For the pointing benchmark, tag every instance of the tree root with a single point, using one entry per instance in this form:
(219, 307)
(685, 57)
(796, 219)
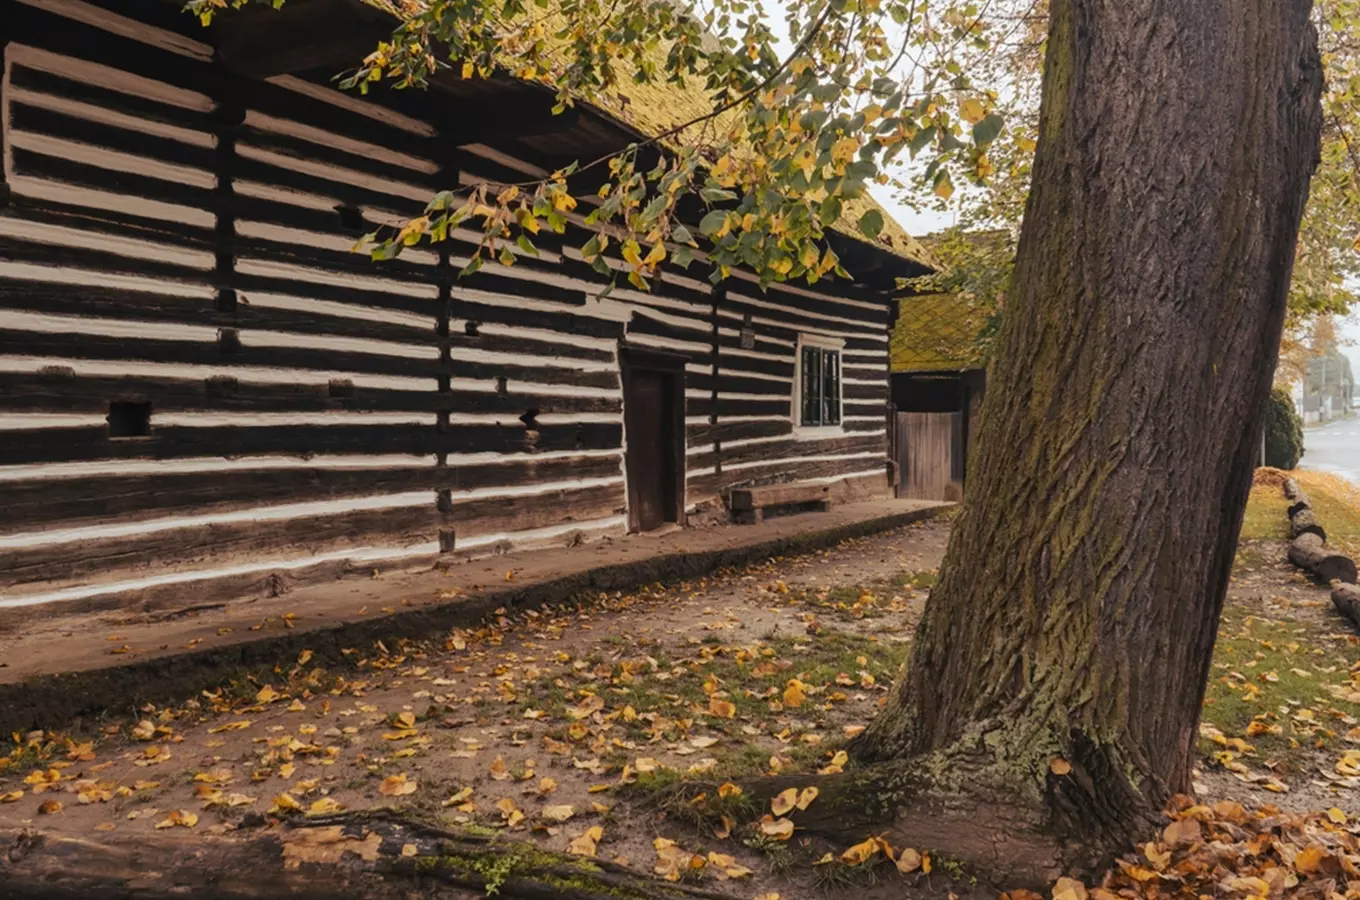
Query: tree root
(374, 855)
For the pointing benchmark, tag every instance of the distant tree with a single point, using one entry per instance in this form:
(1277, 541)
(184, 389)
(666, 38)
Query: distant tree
(1284, 431)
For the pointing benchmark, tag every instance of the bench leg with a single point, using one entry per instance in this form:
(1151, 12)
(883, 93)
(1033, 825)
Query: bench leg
(822, 506)
(749, 516)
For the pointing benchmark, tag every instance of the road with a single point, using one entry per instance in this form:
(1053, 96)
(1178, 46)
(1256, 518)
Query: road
(1335, 448)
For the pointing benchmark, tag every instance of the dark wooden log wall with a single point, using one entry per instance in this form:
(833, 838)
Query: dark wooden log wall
(177, 236)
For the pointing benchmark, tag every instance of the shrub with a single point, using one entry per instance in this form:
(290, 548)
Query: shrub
(1284, 431)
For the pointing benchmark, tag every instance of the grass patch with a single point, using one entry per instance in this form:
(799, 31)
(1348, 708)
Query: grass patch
(1336, 501)
(1278, 692)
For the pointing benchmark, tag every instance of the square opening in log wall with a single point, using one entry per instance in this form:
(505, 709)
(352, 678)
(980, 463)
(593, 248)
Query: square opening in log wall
(129, 419)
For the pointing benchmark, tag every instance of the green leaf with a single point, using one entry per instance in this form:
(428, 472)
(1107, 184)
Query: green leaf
(716, 195)
(988, 129)
(680, 234)
(682, 257)
(713, 222)
(526, 245)
(921, 139)
(830, 212)
(871, 224)
(474, 265)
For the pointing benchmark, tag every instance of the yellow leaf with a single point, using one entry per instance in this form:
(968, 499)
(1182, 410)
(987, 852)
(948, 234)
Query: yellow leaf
(944, 187)
(285, 803)
(460, 797)
(1334, 814)
(723, 708)
(806, 796)
(1311, 859)
(11, 797)
(324, 806)
(585, 844)
(396, 786)
(144, 730)
(1069, 889)
(179, 817)
(784, 802)
(266, 694)
(728, 789)
(498, 770)
(860, 852)
(794, 695)
(908, 861)
(972, 111)
(1059, 766)
(558, 813)
(304, 657)
(781, 829)
(657, 254)
(409, 850)
(1186, 831)
(50, 807)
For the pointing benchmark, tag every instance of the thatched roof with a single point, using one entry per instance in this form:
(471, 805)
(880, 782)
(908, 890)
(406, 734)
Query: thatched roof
(937, 333)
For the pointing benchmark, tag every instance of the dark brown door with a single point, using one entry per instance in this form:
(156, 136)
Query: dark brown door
(649, 413)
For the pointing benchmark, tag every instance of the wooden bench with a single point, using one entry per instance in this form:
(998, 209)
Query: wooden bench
(749, 504)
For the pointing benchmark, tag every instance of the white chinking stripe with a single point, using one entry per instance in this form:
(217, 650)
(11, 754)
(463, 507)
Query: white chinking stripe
(509, 301)
(734, 332)
(108, 116)
(274, 194)
(18, 271)
(107, 77)
(29, 421)
(112, 160)
(786, 287)
(341, 310)
(310, 509)
(254, 338)
(85, 592)
(728, 420)
(124, 27)
(664, 343)
(510, 162)
(133, 467)
(793, 461)
(828, 331)
(279, 513)
(249, 374)
(79, 195)
(325, 138)
(335, 173)
(336, 243)
(802, 313)
(695, 394)
(550, 337)
(119, 245)
(510, 419)
(269, 269)
(353, 104)
(323, 419)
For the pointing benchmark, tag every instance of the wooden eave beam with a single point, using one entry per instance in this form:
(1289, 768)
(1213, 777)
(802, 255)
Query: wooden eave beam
(304, 34)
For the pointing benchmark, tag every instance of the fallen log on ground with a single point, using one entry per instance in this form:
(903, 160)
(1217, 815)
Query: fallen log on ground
(1302, 520)
(1311, 553)
(1346, 599)
(352, 856)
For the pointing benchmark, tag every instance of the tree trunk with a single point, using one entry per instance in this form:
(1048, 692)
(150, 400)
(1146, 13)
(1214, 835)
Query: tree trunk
(1054, 689)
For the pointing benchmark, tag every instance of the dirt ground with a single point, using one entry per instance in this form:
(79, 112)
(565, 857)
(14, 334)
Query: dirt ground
(565, 726)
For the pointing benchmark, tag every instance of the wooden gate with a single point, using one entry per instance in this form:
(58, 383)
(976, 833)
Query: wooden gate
(929, 448)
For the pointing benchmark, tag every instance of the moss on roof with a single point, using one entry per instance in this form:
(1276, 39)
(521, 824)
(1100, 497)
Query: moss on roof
(937, 333)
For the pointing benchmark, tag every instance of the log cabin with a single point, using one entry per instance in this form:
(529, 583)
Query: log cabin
(204, 394)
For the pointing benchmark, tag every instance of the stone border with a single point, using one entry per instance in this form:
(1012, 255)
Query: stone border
(70, 700)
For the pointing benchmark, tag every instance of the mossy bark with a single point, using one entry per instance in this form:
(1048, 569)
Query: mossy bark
(1077, 606)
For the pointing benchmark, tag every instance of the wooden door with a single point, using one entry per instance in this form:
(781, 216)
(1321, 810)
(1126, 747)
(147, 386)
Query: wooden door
(929, 455)
(650, 409)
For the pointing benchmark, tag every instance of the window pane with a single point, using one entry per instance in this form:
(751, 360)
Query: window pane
(812, 386)
(831, 390)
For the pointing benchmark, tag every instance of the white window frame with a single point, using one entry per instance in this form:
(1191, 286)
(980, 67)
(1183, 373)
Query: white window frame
(812, 432)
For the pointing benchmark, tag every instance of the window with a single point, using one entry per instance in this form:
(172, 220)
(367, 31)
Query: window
(819, 382)
(129, 419)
